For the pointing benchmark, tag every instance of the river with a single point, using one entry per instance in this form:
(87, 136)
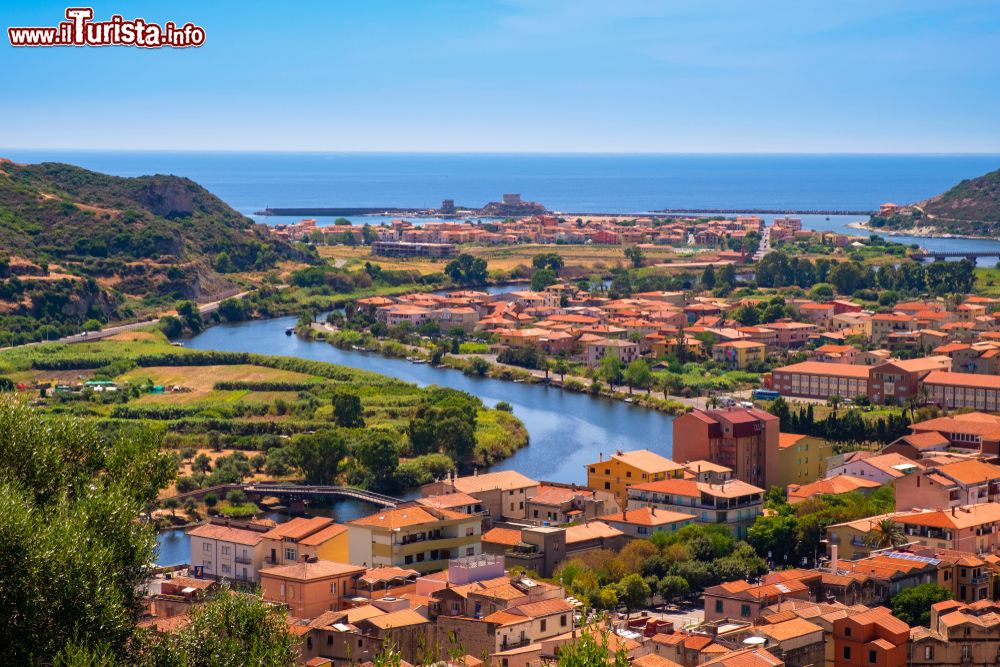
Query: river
(567, 429)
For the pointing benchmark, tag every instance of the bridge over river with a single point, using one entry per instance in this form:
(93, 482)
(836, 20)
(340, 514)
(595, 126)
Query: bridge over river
(941, 255)
(294, 492)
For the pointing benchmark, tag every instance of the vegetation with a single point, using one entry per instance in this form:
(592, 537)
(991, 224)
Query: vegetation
(82, 248)
(971, 208)
(913, 605)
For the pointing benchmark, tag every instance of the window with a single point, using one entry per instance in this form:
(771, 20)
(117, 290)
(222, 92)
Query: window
(281, 588)
(562, 620)
(206, 547)
(420, 557)
(225, 569)
(593, 469)
(333, 588)
(847, 653)
(225, 551)
(543, 625)
(928, 653)
(718, 606)
(290, 554)
(469, 531)
(744, 610)
(470, 551)
(847, 631)
(408, 559)
(607, 485)
(628, 473)
(873, 656)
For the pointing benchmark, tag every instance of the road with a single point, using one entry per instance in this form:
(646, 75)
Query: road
(204, 309)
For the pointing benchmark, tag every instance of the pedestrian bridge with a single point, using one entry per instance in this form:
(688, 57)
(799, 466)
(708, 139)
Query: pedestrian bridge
(941, 255)
(303, 490)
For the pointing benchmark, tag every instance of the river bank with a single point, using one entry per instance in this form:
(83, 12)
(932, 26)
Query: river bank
(927, 232)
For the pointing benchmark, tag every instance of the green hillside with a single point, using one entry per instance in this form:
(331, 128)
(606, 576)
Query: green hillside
(78, 245)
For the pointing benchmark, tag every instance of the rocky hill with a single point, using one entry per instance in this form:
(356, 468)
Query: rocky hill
(77, 245)
(971, 208)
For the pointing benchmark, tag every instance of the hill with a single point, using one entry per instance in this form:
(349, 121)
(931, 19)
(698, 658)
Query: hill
(78, 245)
(971, 208)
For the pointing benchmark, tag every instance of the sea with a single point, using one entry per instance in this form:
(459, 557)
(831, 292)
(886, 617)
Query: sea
(577, 183)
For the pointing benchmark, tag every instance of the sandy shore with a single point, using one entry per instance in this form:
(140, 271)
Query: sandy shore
(923, 232)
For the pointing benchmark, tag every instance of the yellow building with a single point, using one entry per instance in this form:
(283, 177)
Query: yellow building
(624, 469)
(414, 537)
(318, 537)
(738, 353)
(801, 459)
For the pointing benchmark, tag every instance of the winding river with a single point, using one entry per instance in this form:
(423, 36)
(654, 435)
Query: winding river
(567, 429)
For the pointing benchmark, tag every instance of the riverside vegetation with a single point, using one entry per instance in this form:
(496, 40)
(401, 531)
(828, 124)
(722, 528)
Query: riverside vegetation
(232, 416)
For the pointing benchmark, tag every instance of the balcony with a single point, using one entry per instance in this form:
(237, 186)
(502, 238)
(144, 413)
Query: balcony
(507, 646)
(245, 560)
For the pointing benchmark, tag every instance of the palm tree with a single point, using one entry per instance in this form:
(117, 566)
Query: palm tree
(885, 534)
(561, 367)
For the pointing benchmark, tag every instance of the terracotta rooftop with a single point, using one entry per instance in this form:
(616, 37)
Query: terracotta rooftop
(647, 516)
(312, 570)
(214, 531)
(504, 480)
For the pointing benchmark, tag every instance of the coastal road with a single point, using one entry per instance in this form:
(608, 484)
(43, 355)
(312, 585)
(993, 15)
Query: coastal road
(204, 309)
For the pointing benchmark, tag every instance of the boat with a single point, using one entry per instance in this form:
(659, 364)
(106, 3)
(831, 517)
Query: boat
(628, 400)
(289, 331)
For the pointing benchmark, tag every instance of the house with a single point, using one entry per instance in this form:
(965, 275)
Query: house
(744, 440)
(959, 634)
(874, 637)
(733, 503)
(963, 390)
(917, 445)
(831, 486)
(977, 431)
(502, 494)
(318, 537)
(624, 351)
(623, 469)
(801, 459)
(644, 521)
(883, 468)
(741, 600)
(952, 485)
(739, 353)
(413, 537)
(226, 552)
(310, 587)
(896, 381)
(558, 504)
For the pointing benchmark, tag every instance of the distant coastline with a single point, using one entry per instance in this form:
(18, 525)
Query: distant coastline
(927, 232)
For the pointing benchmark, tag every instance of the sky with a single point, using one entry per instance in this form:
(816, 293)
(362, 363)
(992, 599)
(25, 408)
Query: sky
(672, 76)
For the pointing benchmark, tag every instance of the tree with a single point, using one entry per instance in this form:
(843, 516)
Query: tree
(347, 410)
(318, 455)
(884, 534)
(561, 367)
(672, 587)
(610, 370)
(633, 591)
(201, 463)
(635, 255)
(638, 374)
(708, 277)
(211, 500)
(477, 366)
(727, 276)
(378, 454)
(913, 605)
(467, 270)
(172, 327)
(548, 260)
(73, 553)
(231, 630)
(592, 650)
(189, 313)
(542, 278)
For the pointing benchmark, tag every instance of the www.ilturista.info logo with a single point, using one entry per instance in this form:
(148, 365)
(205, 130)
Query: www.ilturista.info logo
(81, 30)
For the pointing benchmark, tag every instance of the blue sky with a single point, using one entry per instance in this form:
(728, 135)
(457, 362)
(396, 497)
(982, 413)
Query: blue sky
(685, 76)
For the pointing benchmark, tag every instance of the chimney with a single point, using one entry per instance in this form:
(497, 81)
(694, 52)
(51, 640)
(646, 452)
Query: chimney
(833, 558)
(953, 511)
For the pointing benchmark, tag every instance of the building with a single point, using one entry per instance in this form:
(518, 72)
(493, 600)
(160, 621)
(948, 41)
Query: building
(947, 486)
(310, 587)
(874, 637)
(883, 468)
(963, 390)
(739, 353)
(556, 505)
(411, 249)
(413, 537)
(624, 351)
(733, 503)
(226, 552)
(644, 521)
(818, 379)
(744, 440)
(801, 459)
(318, 537)
(959, 634)
(832, 486)
(976, 431)
(741, 600)
(623, 469)
(502, 494)
(896, 381)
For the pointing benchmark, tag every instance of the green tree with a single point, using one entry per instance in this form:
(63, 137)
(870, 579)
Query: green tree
(638, 374)
(231, 630)
(635, 255)
(708, 277)
(201, 463)
(72, 550)
(672, 587)
(592, 650)
(610, 370)
(633, 592)
(467, 270)
(884, 534)
(378, 455)
(542, 278)
(318, 455)
(189, 313)
(913, 605)
(347, 410)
